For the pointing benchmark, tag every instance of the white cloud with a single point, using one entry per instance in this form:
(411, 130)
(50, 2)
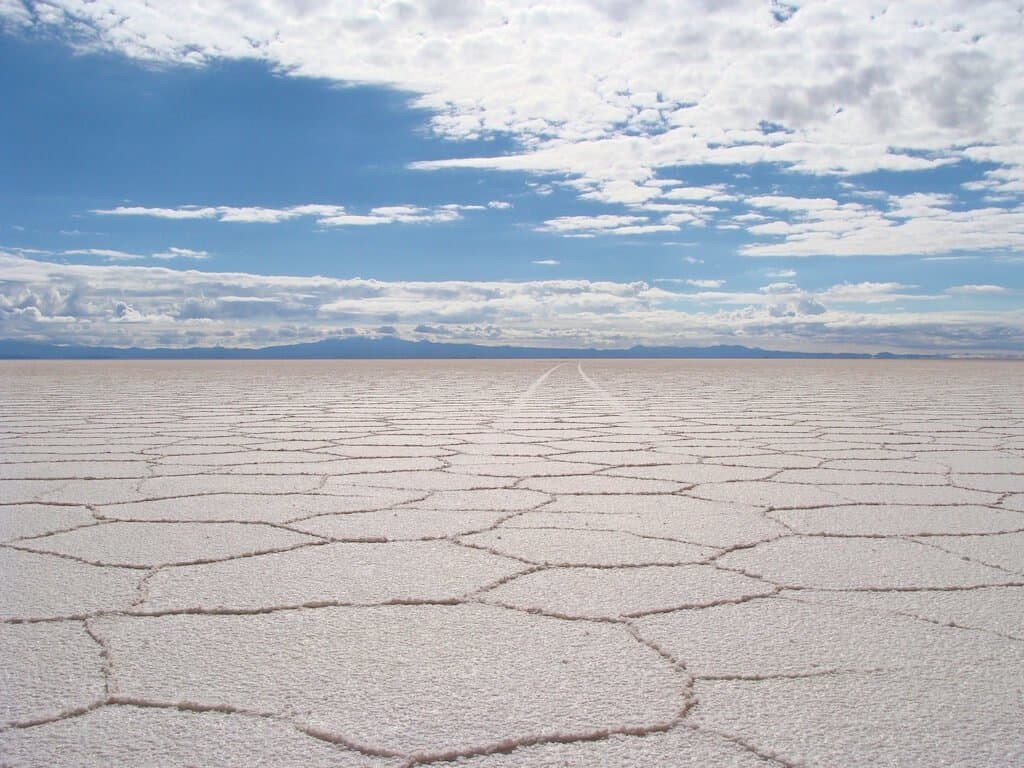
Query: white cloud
(641, 229)
(546, 262)
(394, 214)
(791, 298)
(13, 13)
(604, 224)
(714, 193)
(866, 288)
(915, 224)
(500, 205)
(976, 289)
(693, 283)
(13, 249)
(875, 293)
(156, 306)
(325, 215)
(181, 253)
(779, 288)
(920, 205)
(184, 212)
(613, 101)
(113, 255)
(104, 253)
(1008, 177)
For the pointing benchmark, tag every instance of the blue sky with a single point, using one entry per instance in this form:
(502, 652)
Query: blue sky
(818, 175)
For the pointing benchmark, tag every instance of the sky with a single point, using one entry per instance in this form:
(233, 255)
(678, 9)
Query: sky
(822, 175)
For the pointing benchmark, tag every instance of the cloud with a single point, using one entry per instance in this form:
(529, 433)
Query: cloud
(914, 224)
(14, 14)
(786, 225)
(121, 305)
(690, 281)
(105, 253)
(789, 299)
(114, 256)
(325, 215)
(432, 330)
(779, 288)
(604, 224)
(396, 214)
(181, 253)
(866, 288)
(1008, 177)
(546, 262)
(499, 205)
(713, 193)
(617, 103)
(13, 249)
(800, 307)
(125, 313)
(192, 212)
(976, 289)
(875, 293)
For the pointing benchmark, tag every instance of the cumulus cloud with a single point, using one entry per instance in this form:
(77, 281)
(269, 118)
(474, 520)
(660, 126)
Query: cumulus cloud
(120, 304)
(915, 224)
(714, 193)
(779, 288)
(14, 14)
(805, 305)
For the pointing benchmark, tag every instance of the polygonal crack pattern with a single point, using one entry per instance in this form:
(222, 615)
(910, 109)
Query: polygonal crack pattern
(512, 563)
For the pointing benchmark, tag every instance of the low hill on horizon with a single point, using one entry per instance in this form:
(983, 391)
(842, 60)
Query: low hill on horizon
(393, 347)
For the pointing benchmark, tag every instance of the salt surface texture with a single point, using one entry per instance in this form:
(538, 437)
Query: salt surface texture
(516, 563)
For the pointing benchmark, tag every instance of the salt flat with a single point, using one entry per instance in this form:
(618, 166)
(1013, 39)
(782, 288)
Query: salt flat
(521, 563)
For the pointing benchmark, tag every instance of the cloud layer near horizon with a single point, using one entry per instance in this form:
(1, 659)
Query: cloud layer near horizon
(157, 306)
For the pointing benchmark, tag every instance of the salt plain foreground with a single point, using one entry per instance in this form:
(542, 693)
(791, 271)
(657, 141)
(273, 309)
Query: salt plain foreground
(623, 563)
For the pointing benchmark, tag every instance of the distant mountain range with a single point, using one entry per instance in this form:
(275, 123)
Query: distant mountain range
(387, 347)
